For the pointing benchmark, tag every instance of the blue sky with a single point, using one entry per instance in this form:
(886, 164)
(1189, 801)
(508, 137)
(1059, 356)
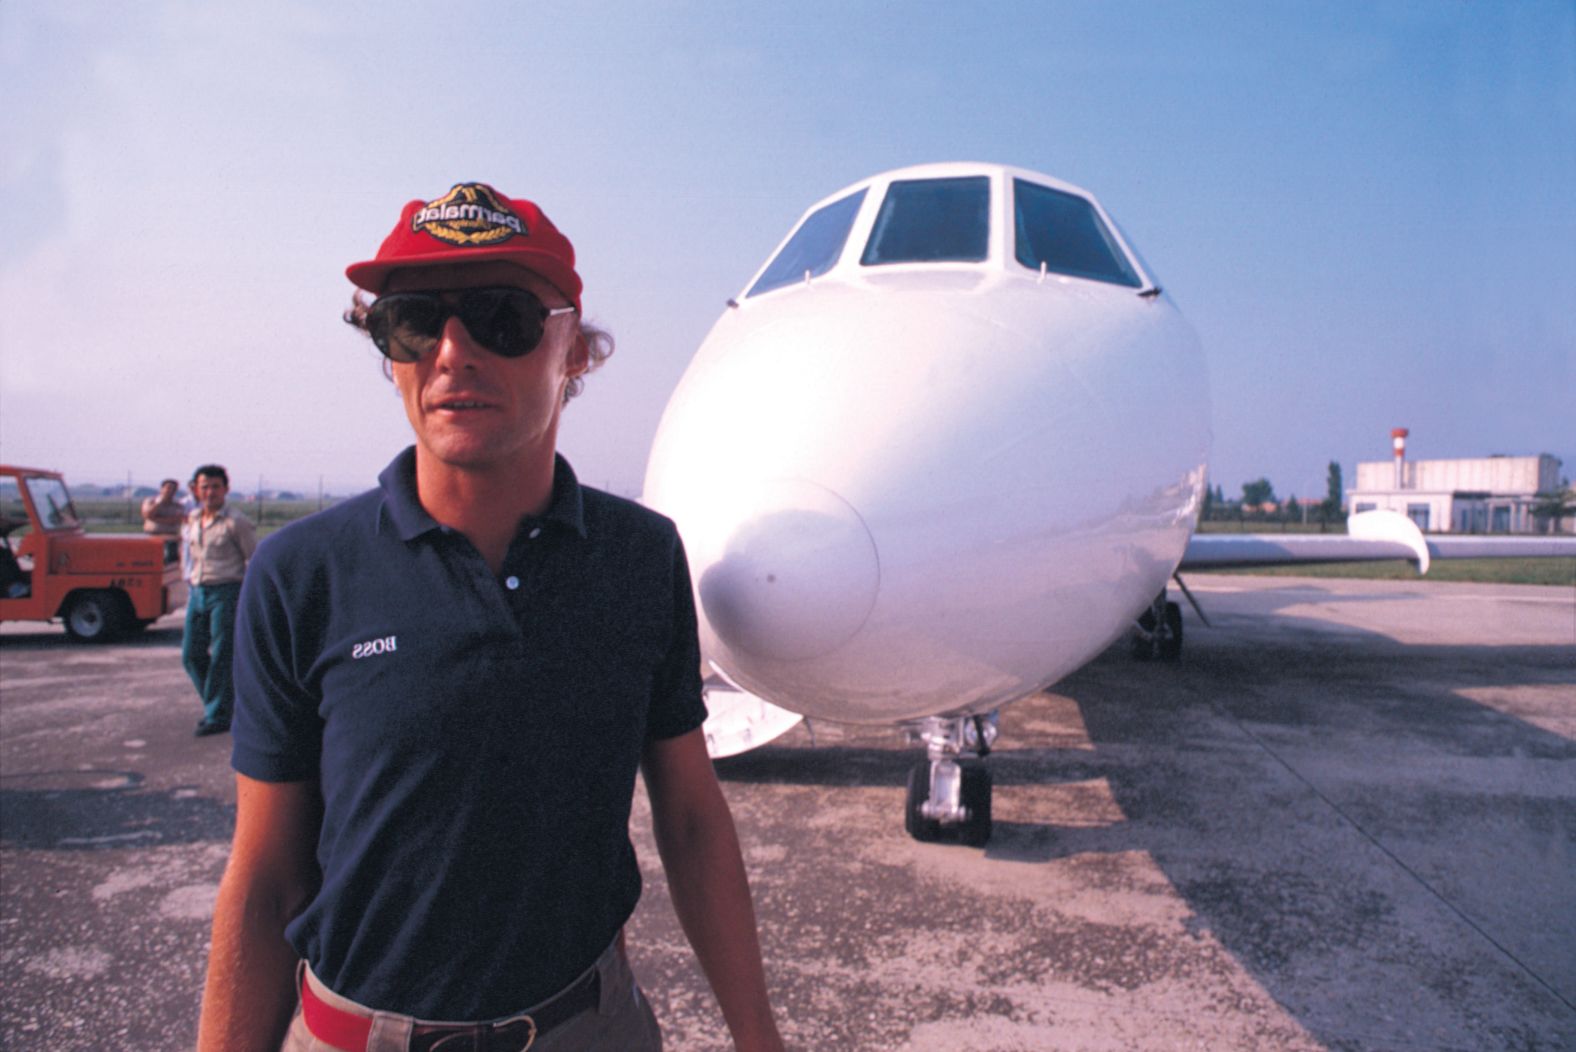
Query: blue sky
(1366, 209)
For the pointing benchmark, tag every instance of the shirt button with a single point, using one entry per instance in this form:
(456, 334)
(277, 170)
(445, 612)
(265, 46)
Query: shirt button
(511, 582)
(536, 531)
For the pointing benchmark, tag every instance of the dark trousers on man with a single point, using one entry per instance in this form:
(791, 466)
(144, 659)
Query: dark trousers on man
(208, 651)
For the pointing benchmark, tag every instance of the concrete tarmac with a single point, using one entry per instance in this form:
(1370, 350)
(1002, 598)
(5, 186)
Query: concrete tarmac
(1346, 820)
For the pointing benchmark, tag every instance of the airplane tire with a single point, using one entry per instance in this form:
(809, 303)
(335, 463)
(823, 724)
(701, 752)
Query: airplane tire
(95, 617)
(976, 797)
(1169, 645)
(1171, 638)
(925, 830)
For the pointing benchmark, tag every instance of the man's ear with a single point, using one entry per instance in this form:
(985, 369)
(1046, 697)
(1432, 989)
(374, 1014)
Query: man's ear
(579, 359)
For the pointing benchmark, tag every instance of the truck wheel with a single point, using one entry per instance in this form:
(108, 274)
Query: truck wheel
(95, 617)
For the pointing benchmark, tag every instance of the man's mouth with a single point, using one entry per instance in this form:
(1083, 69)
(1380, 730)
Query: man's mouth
(461, 404)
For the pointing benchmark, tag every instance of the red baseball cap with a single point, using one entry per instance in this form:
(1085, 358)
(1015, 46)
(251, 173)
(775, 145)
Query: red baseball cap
(470, 223)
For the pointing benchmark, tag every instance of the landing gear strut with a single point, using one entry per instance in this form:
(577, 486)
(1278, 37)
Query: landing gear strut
(949, 799)
(1159, 631)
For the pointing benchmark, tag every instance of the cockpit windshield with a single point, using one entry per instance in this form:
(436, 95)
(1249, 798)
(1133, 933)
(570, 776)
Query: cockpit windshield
(1063, 233)
(932, 221)
(814, 247)
(947, 220)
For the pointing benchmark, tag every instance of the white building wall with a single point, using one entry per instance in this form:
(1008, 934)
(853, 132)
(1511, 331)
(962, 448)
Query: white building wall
(1508, 475)
(1481, 495)
(1431, 511)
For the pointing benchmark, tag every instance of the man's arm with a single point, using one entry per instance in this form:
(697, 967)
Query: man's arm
(245, 536)
(272, 874)
(711, 894)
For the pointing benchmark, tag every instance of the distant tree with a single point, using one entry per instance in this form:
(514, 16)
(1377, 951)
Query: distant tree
(1330, 506)
(1259, 491)
(1209, 503)
(1553, 507)
(1289, 510)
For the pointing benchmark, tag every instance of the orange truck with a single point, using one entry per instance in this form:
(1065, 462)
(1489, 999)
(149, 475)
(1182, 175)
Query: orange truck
(102, 586)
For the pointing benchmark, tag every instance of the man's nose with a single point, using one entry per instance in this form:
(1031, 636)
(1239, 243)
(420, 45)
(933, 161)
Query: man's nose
(457, 348)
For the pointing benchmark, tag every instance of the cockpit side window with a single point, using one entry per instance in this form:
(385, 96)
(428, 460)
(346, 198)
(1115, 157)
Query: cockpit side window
(932, 221)
(814, 247)
(1064, 232)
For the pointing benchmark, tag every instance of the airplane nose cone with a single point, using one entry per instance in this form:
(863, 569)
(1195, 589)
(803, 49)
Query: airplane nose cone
(797, 577)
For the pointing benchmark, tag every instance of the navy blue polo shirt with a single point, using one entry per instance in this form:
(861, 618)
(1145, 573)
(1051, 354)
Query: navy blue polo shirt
(476, 737)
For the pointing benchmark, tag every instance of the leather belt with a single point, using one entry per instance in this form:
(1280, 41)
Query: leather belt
(350, 1030)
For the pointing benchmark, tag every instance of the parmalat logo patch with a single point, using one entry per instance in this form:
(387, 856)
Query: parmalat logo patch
(469, 214)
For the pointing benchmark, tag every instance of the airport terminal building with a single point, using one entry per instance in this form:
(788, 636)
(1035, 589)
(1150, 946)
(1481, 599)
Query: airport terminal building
(1495, 494)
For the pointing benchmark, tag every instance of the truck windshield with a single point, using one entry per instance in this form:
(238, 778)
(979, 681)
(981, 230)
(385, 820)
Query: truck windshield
(52, 503)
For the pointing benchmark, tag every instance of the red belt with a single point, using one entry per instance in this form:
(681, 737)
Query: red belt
(350, 1030)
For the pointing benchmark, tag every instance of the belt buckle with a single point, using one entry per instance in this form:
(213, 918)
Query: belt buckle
(479, 1038)
(529, 1041)
(511, 1021)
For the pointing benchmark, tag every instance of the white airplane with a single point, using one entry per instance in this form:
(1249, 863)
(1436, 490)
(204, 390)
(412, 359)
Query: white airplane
(944, 449)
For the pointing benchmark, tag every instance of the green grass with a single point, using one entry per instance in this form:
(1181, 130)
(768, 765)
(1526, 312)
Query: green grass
(1491, 571)
(110, 516)
(1260, 526)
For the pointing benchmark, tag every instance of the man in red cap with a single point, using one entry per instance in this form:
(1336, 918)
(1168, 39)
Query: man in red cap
(445, 688)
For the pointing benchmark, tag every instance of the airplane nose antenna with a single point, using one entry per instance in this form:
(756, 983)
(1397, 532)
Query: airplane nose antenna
(798, 575)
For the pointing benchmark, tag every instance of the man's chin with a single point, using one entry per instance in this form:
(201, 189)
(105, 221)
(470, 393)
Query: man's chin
(464, 453)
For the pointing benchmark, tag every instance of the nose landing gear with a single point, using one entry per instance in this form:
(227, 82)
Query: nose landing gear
(1158, 632)
(949, 796)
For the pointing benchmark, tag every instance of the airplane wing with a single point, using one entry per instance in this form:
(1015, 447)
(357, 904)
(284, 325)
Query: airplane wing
(1371, 536)
(738, 721)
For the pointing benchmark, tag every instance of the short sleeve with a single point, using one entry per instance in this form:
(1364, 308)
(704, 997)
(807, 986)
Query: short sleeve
(676, 704)
(277, 729)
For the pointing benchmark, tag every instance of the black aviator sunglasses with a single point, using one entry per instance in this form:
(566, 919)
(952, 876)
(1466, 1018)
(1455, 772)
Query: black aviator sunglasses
(507, 321)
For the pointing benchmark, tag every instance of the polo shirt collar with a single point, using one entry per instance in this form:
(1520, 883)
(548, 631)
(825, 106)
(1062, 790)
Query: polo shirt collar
(410, 519)
(568, 506)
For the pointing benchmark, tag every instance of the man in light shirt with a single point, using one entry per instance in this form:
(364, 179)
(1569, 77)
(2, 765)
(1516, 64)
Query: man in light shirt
(163, 514)
(219, 542)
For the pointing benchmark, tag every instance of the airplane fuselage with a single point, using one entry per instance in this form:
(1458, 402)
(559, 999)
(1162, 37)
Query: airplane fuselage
(912, 487)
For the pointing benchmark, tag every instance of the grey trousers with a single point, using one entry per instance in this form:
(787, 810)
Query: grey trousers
(623, 1020)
